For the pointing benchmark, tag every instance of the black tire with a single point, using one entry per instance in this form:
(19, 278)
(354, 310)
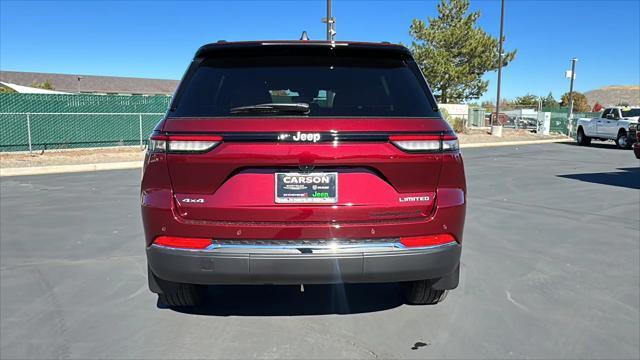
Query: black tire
(420, 292)
(183, 295)
(175, 294)
(582, 139)
(622, 140)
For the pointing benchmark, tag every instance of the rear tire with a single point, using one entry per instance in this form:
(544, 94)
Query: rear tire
(622, 141)
(582, 139)
(420, 292)
(183, 295)
(175, 294)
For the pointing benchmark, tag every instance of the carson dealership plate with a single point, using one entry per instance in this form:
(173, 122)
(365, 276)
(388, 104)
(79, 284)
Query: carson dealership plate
(313, 188)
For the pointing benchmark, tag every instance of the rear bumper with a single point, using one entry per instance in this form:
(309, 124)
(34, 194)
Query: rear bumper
(289, 266)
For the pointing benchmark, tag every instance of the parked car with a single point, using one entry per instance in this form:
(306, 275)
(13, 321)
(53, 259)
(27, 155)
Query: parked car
(352, 176)
(616, 123)
(636, 146)
(503, 119)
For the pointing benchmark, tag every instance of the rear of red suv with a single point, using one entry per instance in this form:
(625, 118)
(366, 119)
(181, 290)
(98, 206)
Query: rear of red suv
(303, 163)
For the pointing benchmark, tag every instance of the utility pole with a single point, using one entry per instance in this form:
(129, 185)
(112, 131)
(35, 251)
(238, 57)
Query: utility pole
(331, 31)
(496, 128)
(572, 76)
(79, 78)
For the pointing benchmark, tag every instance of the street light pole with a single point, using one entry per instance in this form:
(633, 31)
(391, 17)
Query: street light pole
(79, 78)
(496, 128)
(572, 76)
(331, 32)
(328, 20)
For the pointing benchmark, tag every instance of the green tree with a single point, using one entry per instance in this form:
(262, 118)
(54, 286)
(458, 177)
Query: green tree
(44, 85)
(527, 100)
(550, 102)
(580, 103)
(623, 103)
(454, 53)
(488, 105)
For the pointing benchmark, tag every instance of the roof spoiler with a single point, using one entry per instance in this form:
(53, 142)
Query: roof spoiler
(209, 49)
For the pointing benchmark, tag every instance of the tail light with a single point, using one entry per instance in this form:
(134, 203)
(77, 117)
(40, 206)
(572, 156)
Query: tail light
(182, 242)
(158, 143)
(427, 240)
(183, 143)
(425, 143)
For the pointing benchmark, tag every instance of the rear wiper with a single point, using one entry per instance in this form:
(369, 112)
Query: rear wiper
(272, 108)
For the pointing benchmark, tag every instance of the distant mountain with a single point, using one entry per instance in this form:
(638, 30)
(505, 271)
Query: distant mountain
(614, 95)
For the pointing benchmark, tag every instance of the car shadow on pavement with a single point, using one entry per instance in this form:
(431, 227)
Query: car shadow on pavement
(272, 300)
(627, 177)
(599, 145)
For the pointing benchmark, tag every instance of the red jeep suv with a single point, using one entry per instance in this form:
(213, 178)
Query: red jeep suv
(303, 162)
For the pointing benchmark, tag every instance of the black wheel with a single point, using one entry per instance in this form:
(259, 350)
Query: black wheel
(582, 139)
(183, 295)
(420, 292)
(622, 140)
(175, 294)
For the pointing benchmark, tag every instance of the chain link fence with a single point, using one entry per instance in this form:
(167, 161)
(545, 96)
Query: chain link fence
(559, 120)
(43, 121)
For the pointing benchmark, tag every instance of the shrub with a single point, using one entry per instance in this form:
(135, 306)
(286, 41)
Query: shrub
(445, 114)
(458, 125)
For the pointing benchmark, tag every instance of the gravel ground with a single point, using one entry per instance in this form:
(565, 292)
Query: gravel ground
(484, 136)
(550, 269)
(70, 157)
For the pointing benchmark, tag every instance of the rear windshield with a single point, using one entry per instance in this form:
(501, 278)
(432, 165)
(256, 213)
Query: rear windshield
(339, 86)
(630, 112)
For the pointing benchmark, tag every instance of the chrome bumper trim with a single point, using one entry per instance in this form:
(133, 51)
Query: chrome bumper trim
(306, 248)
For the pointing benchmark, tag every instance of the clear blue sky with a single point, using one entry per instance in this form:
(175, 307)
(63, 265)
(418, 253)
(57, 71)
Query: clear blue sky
(157, 39)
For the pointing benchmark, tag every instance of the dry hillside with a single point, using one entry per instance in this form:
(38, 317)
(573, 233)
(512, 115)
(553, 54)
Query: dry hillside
(615, 94)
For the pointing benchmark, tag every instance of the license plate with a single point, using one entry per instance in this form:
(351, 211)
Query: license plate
(313, 188)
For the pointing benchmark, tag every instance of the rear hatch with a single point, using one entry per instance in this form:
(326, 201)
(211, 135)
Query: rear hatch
(286, 133)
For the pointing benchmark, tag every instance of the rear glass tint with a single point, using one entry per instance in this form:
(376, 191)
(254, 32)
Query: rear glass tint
(331, 86)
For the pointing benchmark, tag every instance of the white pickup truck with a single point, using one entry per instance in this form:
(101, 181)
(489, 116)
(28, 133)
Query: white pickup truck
(616, 123)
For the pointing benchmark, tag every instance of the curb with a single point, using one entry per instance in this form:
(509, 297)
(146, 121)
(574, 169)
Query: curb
(130, 147)
(511, 143)
(59, 169)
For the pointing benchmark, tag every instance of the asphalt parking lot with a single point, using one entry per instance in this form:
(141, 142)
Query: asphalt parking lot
(550, 269)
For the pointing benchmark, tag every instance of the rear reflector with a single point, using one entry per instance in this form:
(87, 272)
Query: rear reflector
(183, 143)
(427, 240)
(425, 143)
(182, 242)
